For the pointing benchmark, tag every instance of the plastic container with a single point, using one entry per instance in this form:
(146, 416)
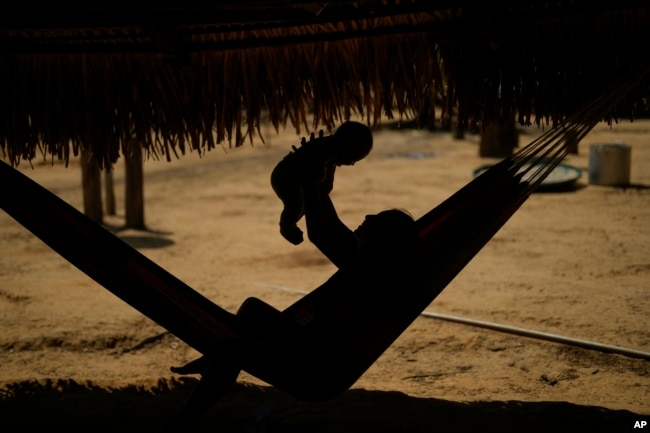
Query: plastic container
(609, 164)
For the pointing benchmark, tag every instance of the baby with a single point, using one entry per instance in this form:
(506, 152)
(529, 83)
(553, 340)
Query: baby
(315, 161)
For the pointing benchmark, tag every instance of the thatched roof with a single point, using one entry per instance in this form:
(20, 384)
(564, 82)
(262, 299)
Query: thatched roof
(172, 79)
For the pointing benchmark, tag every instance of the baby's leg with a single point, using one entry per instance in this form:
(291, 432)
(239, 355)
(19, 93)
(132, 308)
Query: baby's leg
(294, 209)
(290, 192)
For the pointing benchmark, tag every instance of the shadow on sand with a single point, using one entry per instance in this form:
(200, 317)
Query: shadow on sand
(72, 407)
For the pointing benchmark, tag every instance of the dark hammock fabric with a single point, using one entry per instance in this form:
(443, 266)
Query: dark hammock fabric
(114, 264)
(349, 321)
(318, 347)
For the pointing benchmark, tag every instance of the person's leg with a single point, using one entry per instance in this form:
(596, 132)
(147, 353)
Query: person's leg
(218, 375)
(265, 322)
(289, 217)
(291, 195)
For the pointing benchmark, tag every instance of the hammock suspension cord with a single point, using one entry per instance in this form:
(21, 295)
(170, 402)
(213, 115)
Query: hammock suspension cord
(535, 161)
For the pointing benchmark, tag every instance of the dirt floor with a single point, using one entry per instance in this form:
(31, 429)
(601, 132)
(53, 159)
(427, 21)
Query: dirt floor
(574, 263)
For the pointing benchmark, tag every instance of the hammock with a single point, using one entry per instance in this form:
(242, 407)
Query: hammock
(349, 321)
(319, 346)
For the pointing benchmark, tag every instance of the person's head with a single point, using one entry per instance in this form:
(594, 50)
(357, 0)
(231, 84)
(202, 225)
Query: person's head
(390, 230)
(353, 142)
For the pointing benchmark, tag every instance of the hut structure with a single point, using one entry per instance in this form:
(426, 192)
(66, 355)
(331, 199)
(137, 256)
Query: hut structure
(169, 79)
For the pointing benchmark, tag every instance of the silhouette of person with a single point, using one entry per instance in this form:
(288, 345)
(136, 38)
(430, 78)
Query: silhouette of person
(380, 237)
(315, 161)
(380, 242)
(377, 251)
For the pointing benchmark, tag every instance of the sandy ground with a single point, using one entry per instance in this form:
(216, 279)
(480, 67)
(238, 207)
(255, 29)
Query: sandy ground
(574, 263)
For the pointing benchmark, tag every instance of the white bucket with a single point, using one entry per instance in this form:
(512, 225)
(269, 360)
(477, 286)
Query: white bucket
(609, 164)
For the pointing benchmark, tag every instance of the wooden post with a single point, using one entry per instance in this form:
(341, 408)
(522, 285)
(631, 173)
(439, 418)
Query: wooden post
(92, 186)
(109, 191)
(499, 138)
(457, 131)
(134, 194)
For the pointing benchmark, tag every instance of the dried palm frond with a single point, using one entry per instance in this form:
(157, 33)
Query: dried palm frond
(198, 82)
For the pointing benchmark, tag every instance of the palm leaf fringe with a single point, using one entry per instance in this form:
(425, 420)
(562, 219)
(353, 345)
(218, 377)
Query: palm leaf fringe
(198, 87)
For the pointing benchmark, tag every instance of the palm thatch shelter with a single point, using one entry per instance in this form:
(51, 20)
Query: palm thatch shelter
(173, 79)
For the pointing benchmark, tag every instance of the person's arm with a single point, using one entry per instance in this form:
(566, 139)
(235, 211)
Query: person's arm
(327, 184)
(325, 229)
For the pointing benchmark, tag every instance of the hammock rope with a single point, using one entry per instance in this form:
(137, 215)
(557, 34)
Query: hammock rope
(539, 158)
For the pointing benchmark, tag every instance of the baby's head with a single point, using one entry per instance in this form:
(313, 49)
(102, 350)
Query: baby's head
(353, 143)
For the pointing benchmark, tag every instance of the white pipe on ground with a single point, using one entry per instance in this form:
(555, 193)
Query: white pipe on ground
(512, 330)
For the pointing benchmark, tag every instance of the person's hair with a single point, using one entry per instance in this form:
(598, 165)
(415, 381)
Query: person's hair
(355, 138)
(401, 231)
(394, 234)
